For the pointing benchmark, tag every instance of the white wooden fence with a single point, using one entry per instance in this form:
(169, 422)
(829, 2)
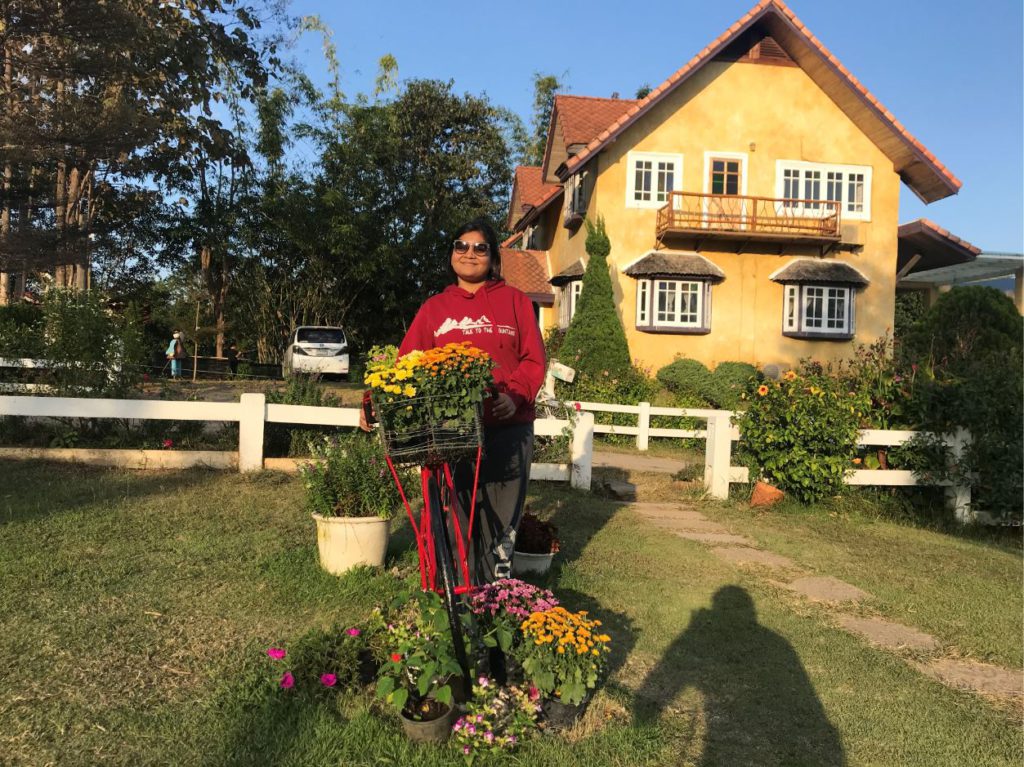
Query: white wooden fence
(719, 435)
(252, 413)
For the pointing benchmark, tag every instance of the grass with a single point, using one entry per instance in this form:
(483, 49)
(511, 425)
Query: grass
(135, 605)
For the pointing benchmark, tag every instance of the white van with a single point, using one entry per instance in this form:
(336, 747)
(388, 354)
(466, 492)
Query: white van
(315, 349)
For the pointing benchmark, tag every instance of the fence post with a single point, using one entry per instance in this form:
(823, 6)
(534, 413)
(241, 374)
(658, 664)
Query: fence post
(250, 432)
(643, 436)
(959, 496)
(582, 452)
(718, 454)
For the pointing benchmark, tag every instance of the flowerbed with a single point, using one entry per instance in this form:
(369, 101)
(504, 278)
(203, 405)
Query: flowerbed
(557, 656)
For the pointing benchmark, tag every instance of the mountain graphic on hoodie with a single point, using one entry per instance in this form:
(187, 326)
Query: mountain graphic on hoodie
(464, 325)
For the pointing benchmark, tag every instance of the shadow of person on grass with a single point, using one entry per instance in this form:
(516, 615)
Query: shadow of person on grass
(760, 707)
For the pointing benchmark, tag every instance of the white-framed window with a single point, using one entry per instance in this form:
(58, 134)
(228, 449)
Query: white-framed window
(825, 310)
(650, 177)
(804, 185)
(671, 304)
(568, 297)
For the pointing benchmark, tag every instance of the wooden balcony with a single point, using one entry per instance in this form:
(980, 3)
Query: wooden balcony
(742, 218)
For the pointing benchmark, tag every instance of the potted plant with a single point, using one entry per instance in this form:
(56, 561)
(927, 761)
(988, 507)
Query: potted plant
(352, 496)
(417, 673)
(497, 719)
(563, 653)
(536, 545)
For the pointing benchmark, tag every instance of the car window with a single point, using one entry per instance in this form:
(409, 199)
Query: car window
(320, 335)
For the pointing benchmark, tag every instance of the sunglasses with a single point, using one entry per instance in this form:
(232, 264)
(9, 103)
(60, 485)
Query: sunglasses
(479, 248)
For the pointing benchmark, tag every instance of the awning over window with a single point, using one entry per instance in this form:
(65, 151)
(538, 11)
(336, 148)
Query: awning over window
(661, 263)
(819, 270)
(570, 273)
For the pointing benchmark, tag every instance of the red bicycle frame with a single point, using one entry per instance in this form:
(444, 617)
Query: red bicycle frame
(441, 474)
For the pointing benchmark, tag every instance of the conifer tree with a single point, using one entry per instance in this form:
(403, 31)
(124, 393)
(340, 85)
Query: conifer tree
(595, 341)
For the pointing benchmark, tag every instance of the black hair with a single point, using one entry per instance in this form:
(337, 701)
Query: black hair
(482, 225)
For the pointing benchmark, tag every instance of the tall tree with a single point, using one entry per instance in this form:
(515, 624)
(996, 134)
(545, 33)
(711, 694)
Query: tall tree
(100, 99)
(544, 89)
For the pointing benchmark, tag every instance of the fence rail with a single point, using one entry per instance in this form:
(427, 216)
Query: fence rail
(252, 413)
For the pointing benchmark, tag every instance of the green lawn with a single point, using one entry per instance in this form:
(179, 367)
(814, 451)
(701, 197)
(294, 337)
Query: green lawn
(135, 606)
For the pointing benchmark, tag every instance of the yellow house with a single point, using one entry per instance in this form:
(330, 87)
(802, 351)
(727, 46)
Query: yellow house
(751, 201)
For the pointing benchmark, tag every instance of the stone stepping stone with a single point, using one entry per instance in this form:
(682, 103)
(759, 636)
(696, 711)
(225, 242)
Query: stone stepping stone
(827, 589)
(691, 535)
(979, 677)
(887, 634)
(743, 555)
(623, 491)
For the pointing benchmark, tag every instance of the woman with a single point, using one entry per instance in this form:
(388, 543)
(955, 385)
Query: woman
(175, 353)
(480, 307)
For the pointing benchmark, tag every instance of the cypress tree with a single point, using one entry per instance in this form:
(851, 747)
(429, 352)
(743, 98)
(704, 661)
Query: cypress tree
(595, 341)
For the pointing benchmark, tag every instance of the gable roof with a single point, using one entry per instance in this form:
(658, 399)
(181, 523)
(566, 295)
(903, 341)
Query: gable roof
(528, 271)
(576, 121)
(528, 191)
(919, 169)
(923, 244)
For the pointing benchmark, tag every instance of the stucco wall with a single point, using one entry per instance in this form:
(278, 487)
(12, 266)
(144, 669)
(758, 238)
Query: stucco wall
(768, 113)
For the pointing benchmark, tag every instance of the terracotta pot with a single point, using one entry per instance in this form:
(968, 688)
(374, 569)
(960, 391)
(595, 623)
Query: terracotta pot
(345, 542)
(430, 731)
(537, 564)
(765, 495)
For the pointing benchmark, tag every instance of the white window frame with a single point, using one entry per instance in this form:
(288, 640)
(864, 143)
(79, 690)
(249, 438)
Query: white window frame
(797, 321)
(575, 194)
(568, 298)
(676, 160)
(847, 205)
(646, 300)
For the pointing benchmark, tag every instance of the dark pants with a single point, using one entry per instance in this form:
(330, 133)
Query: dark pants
(501, 493)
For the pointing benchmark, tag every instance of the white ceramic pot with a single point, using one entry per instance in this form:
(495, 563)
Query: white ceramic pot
(345, 542)
(523, 563)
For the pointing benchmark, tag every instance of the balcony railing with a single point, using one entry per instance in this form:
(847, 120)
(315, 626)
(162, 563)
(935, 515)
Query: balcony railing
(755, 218)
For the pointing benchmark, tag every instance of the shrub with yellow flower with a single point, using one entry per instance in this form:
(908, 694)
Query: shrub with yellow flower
(423, 396)
(563, 653)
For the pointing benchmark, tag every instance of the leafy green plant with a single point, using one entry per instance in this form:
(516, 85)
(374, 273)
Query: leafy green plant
(800, 433)
(285, 440)
(416, 674)
(497, 719)
(729, 382)
(323, 660)
(349, 477)
(686, 376)
(563, 653)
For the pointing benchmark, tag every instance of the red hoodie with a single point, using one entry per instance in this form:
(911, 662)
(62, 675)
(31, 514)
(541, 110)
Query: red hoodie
(498, 319)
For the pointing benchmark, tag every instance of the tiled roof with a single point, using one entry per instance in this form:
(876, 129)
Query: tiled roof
(512, 240)
(528, 271)
(947, 182)
(532, 189)
(913, 227)
(666, 264)
(924, 245)
(819, 270)
(584, 117)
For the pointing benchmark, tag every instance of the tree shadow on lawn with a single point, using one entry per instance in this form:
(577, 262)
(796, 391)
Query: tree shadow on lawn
(32, 490)
(759, 704)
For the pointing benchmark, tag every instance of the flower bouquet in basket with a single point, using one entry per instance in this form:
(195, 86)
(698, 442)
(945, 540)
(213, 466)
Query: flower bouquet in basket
(563, 653)
(429, 402)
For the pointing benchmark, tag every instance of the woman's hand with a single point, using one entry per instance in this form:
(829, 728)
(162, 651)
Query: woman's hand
(503, 407)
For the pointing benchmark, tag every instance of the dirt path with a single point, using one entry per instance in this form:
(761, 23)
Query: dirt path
(686, 521)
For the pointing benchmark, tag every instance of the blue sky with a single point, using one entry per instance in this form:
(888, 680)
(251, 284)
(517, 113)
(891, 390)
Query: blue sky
(952, 73)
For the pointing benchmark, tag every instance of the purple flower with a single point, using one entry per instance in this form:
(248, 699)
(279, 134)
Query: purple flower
(353, 632)
(276, 653)
(511, 740)
(287, 681)
(471, 729)
(465, 750)
(328, 680)
(489, 736)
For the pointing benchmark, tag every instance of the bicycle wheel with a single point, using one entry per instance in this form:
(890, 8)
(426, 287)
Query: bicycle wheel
(446, 573)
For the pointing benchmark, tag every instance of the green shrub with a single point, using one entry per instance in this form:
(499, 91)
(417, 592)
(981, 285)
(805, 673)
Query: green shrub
(284, 440)
(800, 434)
(351, 478)
(966, 356)
(686, 376)
(595, 343)
(629, 388)
(21, 331)
(729, 381)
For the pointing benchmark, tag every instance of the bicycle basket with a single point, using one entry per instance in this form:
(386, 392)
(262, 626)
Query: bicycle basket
(429, 440)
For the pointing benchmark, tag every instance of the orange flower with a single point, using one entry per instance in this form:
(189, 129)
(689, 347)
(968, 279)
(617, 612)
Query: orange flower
(857, 461)
(762, 390)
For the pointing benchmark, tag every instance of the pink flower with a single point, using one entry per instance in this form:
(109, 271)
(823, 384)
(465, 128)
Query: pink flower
(353, 632)
(276, 653)
(465, 749)
(483, 681)
(534, 693)
(168, 444)
(287, 681)
(578, 406)
(328, 680)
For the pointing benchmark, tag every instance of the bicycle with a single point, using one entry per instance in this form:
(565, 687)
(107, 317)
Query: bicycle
(433, 448)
